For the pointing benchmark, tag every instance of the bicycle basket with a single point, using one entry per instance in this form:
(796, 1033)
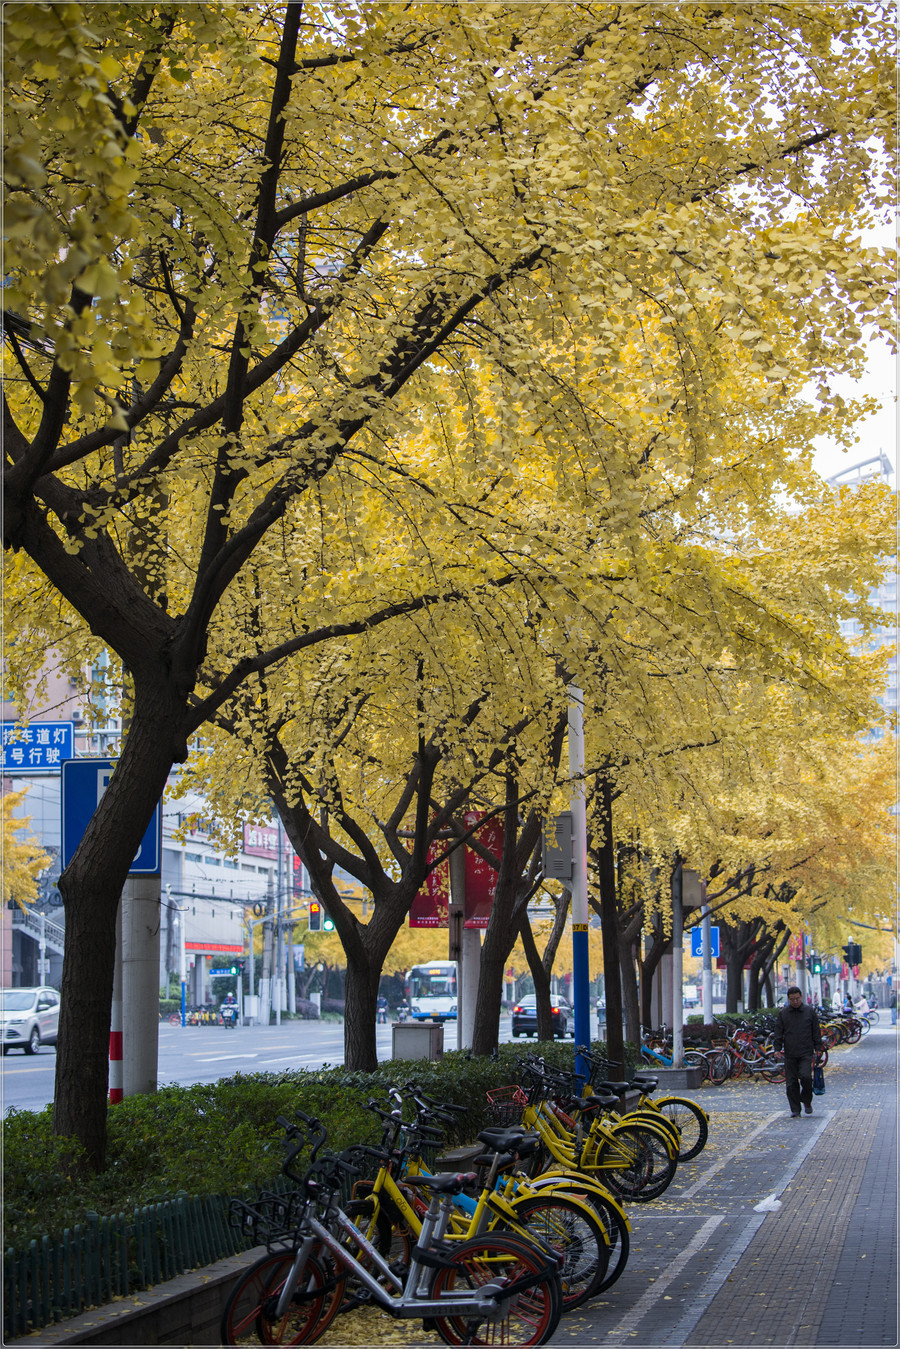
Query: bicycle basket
(269, 1221)
(505, 1105)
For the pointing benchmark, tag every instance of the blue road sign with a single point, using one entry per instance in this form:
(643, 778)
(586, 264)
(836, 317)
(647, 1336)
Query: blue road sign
(36, 747)
(83, 783)
(697, 942)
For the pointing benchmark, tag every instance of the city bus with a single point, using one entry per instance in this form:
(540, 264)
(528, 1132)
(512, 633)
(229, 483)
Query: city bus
(431, 991)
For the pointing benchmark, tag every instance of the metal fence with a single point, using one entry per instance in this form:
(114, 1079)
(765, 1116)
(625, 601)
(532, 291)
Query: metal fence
(109, 1257)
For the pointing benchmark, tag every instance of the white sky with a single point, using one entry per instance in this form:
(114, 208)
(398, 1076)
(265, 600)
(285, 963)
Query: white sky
(879, 432)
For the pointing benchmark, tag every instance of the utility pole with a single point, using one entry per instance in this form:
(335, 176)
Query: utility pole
(140, 906)
(265, 979)
(465, 949)
(677, 967)
(580, 963)
(706, 925)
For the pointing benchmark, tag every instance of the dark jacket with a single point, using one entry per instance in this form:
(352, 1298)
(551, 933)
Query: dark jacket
(797, 1031)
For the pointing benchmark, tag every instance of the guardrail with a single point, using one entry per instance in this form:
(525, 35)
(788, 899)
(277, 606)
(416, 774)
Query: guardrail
(108, 1257)
(53, 934)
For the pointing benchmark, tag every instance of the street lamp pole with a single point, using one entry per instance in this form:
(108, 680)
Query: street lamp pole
(580, 962)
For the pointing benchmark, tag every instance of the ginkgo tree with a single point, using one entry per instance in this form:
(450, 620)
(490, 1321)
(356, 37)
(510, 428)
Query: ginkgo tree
(23, 857)
(241, 240)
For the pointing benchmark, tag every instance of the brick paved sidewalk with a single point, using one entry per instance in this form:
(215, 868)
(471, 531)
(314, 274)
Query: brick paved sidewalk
(782, 1232)
(816, 1266)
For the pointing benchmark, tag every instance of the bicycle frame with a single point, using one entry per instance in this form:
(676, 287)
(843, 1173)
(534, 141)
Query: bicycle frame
(414, 1300)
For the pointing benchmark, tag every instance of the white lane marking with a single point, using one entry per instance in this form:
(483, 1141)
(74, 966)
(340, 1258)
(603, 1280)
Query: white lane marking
(728, 1158)
(685, 1327)
(658, 1287)
(222, 1058)
(289, 1058)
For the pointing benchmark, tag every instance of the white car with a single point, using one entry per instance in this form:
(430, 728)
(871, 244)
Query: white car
(29, 1018)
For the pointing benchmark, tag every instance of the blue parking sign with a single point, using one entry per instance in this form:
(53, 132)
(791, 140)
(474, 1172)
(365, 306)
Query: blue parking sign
(83, 783)
(697, 942)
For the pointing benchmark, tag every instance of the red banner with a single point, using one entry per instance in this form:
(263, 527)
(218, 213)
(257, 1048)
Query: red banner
(795, 948)
(481, 877)
(212, 946)
(261, 840)
(431, 906)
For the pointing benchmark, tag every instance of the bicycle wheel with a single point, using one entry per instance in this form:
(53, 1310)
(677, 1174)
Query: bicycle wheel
(625, 1160)
(663, 1163)
(657, 1121)
(174, 1018)
(719, 1066)
(529, 1315)
(695, 1058)
(608, 1210)
(691, 1120)
(574, 1234)
(251, 1303)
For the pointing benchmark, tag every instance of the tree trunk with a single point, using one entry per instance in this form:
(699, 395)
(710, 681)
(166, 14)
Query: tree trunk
(518, 848)
(360, 998)
(629, 933)
(91, 887)
(541, 966)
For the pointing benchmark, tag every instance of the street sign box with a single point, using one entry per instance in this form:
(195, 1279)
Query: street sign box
(83, 783)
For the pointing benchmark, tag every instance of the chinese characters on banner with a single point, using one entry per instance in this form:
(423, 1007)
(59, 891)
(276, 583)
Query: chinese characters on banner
(795, 949)
(261, 840)
(430, 908)
(37, 748)
(481, 877)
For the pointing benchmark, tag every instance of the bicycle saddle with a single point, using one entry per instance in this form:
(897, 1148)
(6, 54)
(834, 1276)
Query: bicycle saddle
(444, 1182)
(504, 1140)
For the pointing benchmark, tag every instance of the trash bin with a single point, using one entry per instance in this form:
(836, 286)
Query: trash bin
(418, 1040)
(601, 1023)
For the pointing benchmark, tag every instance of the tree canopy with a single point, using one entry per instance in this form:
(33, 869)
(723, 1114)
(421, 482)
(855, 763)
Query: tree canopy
(266, 257)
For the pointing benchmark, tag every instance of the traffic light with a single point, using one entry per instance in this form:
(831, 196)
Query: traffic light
(327, 923)
(855, 954)
(817, 964)
(315, 916)
(847, 952)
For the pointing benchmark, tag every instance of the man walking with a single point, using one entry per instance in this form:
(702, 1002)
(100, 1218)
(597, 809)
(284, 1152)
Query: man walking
(798, 1033)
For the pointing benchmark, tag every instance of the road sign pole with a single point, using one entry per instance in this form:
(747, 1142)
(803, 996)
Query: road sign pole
(115, 1020)
(706, 978)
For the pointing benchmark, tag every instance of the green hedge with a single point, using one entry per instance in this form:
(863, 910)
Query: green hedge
(222, 1138)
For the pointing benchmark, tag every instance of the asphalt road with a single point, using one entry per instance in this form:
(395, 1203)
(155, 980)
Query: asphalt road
(206, 1053)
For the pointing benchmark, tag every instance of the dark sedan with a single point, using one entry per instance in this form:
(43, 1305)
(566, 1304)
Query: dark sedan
(524, 1017)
